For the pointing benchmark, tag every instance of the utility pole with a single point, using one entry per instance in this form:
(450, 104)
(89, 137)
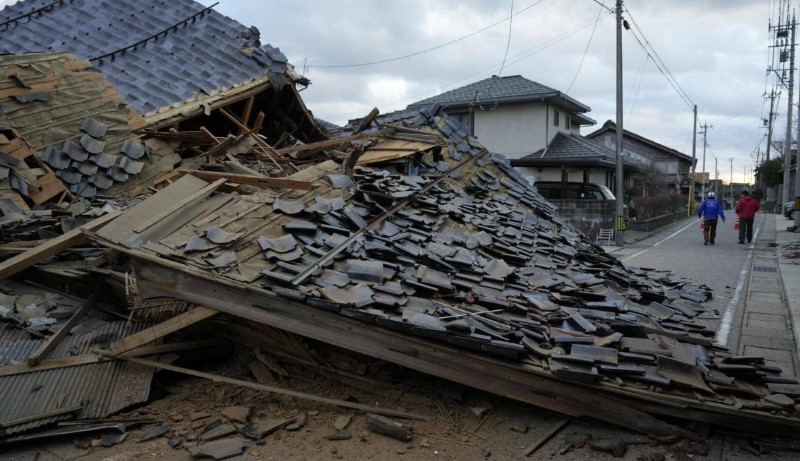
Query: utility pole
(769, 127)
(716, 177)
(705, 127)
(694, 162)
(787, 145)
(754, 170)
(731, 160)
(620, 210)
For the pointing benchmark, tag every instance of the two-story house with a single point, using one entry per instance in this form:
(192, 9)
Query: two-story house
(512, 115)
(666, 171)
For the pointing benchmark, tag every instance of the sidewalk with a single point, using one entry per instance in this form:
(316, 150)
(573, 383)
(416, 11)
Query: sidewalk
(788, 248)
(771, 311)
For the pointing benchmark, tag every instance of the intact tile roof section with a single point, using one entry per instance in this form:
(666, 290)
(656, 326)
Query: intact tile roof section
(487, 91)
(184, 53)
(573, 148)
(565, 145)
(610, 126)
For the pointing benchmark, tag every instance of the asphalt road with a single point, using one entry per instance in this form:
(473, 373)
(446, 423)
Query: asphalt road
(724, 267)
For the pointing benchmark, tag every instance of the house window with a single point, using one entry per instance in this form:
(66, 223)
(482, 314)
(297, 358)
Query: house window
(467, 119)
(568, 123)
(555, 118)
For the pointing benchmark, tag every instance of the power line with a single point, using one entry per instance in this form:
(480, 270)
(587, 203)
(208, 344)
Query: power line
(604, 6)
(513, 60)
(508, 43)
(417, 53)
(585, 51)
(637, 82)
(660, 64)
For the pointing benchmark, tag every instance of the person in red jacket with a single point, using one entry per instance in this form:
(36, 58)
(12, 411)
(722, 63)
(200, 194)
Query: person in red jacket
(746, 210)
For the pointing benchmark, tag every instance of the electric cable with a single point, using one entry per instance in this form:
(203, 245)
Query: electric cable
(417, 53)
(513, 60)
(660, 64)
(586, 50)
(637, 83)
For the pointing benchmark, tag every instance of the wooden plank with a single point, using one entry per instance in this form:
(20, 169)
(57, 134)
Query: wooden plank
(252, 180)
(172, 325)
(71, 361)
(277, 390)
(546, 436)
(47, 186)
(55, 338)
(121, 231)
(180, 204)
(248, 108)
(327, 144)
(173, 347)
(159, 277)
(53, 246)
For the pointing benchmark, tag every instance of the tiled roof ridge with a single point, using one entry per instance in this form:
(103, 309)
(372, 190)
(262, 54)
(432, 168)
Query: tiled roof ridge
(157, 53)
(453, 96)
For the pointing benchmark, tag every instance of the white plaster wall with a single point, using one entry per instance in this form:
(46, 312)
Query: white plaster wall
(515, 130)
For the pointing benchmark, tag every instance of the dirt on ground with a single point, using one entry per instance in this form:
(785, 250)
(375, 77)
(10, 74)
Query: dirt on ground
(462, 423)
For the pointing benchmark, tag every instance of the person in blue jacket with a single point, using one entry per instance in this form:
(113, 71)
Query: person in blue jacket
(710, 210)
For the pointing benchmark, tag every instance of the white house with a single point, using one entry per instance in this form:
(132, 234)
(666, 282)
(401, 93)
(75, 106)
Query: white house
(511, 115)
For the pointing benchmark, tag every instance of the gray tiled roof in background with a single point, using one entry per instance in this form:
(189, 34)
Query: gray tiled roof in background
(565, 145)
(206, 53)
(573, 149)
(493, 89)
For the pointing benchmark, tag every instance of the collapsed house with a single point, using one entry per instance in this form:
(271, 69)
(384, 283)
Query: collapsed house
(442, 259)
(404, 240)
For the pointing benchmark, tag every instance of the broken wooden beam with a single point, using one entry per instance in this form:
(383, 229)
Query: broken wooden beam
(162, 329)
(167, 278)
(73, 361)
(277, 390)
(367, 121)
(251, 180)
(327, 144)
(266, 149)
(55, 338)
(53, 246)
(553, 430)
(385, 426)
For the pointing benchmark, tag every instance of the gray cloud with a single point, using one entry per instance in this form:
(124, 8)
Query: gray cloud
(716, 50)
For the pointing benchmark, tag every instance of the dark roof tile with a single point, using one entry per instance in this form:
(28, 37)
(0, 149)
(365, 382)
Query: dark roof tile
(495, 89)
(207, 51)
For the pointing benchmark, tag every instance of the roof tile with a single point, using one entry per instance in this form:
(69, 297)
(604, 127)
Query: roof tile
(207, 50)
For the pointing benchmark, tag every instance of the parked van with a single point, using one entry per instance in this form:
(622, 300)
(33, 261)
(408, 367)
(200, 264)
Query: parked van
(556, 190)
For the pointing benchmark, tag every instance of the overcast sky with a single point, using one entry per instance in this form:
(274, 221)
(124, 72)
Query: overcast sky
(716, 50)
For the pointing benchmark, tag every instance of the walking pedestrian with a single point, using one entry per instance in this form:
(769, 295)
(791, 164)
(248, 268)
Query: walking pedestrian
(746, 210)
(710, 210)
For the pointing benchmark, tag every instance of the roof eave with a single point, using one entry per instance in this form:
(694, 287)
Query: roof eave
(568, 103)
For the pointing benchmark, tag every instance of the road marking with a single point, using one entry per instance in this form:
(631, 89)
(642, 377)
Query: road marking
(724, 328)
(693, 223)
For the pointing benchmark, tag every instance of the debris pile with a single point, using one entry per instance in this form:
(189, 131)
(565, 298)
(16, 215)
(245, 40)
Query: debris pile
(227, 214)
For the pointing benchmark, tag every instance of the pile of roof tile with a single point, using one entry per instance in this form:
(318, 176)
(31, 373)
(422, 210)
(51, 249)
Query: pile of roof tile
(84, 164)
(453, 246)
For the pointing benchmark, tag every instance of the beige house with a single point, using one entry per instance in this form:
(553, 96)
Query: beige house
(511, 115)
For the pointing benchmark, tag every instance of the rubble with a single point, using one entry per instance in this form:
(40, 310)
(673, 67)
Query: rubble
(231, 216)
